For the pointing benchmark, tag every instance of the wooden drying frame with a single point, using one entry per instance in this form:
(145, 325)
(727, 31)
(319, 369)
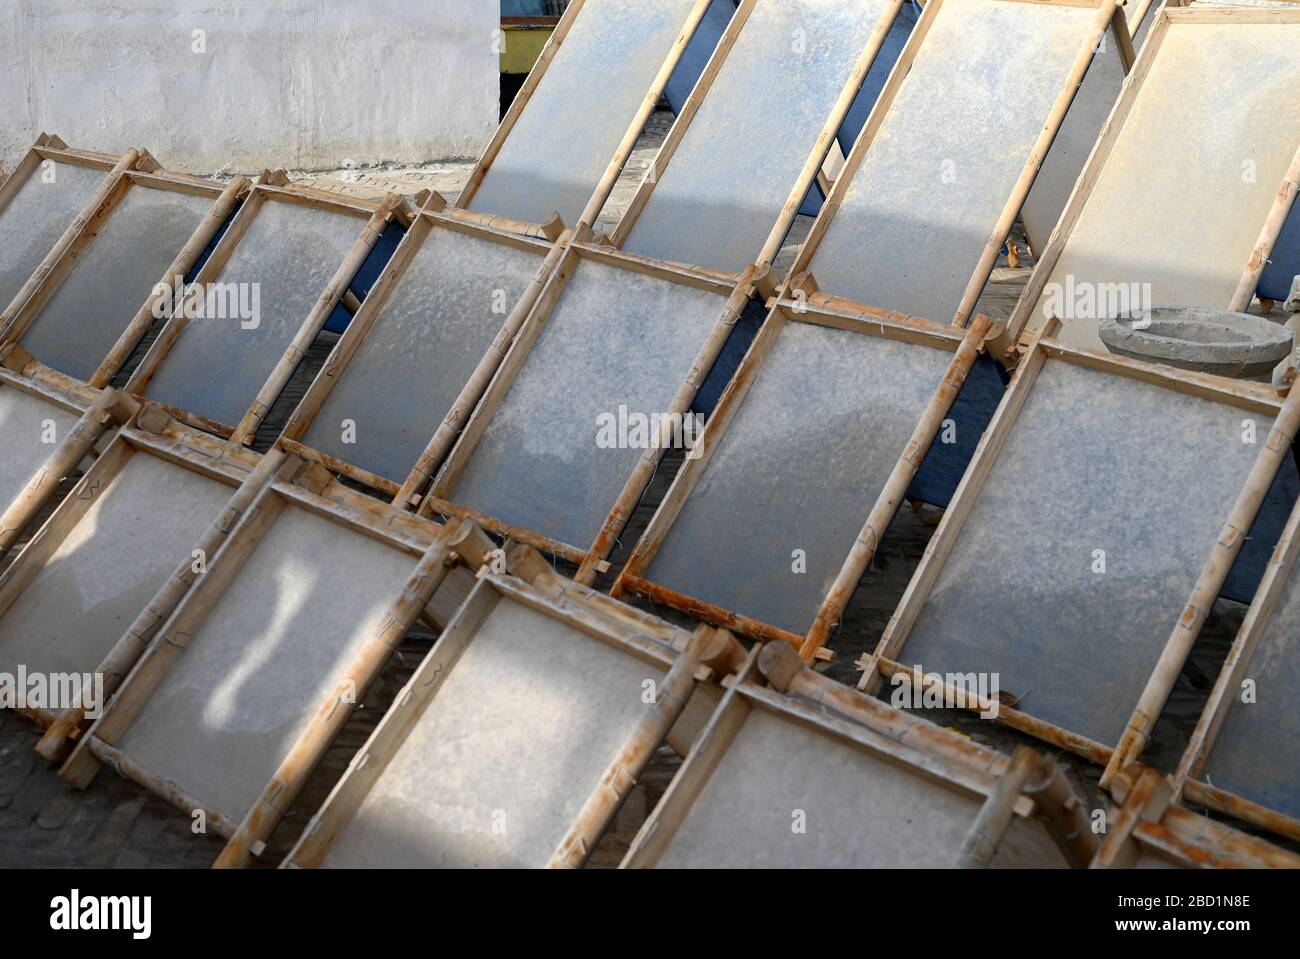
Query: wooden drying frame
(1189, 779)
(606, 185)
(1110, 17)
(50, 147)
(592, 560)
(156, 435)
(1252, 397)
(548, 239)
(1169, 16)
(273, 187)
(774, 679)
(685, 658)
(818, 310)
(1147, 821)
(816, 159)
(433, 549)
(49, 279)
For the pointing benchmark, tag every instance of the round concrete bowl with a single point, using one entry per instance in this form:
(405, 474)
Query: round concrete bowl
(1208, 341)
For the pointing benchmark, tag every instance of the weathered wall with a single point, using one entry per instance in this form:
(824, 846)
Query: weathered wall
(295, 83)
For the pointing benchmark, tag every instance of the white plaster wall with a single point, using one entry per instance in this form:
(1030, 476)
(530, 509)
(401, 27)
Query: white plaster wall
(302, 84)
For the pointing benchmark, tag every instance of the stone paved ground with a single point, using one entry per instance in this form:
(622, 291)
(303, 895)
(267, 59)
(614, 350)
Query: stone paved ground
(117, 824)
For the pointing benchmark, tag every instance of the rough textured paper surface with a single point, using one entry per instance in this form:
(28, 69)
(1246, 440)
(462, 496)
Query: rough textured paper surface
(1079, 555)
(103, 575)
(113, 278)
(1180, 203)
(425, 344)
(37, 216)
(24, 423)
(566, 136)
(505, 755)
(217, 365)
(784, 797)
(615, 339)
(734, 171)
(792, 482)
(254, 673)
(921, 208)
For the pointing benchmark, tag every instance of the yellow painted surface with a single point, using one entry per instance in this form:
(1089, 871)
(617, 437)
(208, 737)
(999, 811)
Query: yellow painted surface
(522, 45)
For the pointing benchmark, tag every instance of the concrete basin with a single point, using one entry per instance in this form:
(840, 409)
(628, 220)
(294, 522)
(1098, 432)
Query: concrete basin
(1208, 341)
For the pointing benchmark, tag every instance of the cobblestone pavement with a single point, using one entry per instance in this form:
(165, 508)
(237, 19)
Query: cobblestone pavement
(114, 823)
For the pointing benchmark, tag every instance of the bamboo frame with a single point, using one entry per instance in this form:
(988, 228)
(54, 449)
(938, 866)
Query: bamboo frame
(816, 159)
(525, 96)
(1168, 17)
(530, 583)
(434, 216)
(224, 202)
(775, 680)
(48, 147)
(821, 311)
(153, 435)
(1109, 13)
(294, 486)
(592, 560)
(266, 189)
(1147, 821)
(886, 659)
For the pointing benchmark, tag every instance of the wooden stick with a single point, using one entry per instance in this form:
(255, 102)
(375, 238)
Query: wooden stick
(624, 152)
(111, 407)
(165, 289)
(1207, 588)
(521, 101)
(1241, 654)
(126, 652)
(682, 124)
(633, 755)
(316, 320)
(1050, 255)
(458, 417)
(748, 286)
(178, 321)
(656, 833)
(995, 817)
(334, 712)
(75, 228)
(1107, 13)
(968, 492)
(174, 635)
(1268, 236)
(1147, 803)
(53, 271)
(895, 488)
(839, 113)
(866, 137)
